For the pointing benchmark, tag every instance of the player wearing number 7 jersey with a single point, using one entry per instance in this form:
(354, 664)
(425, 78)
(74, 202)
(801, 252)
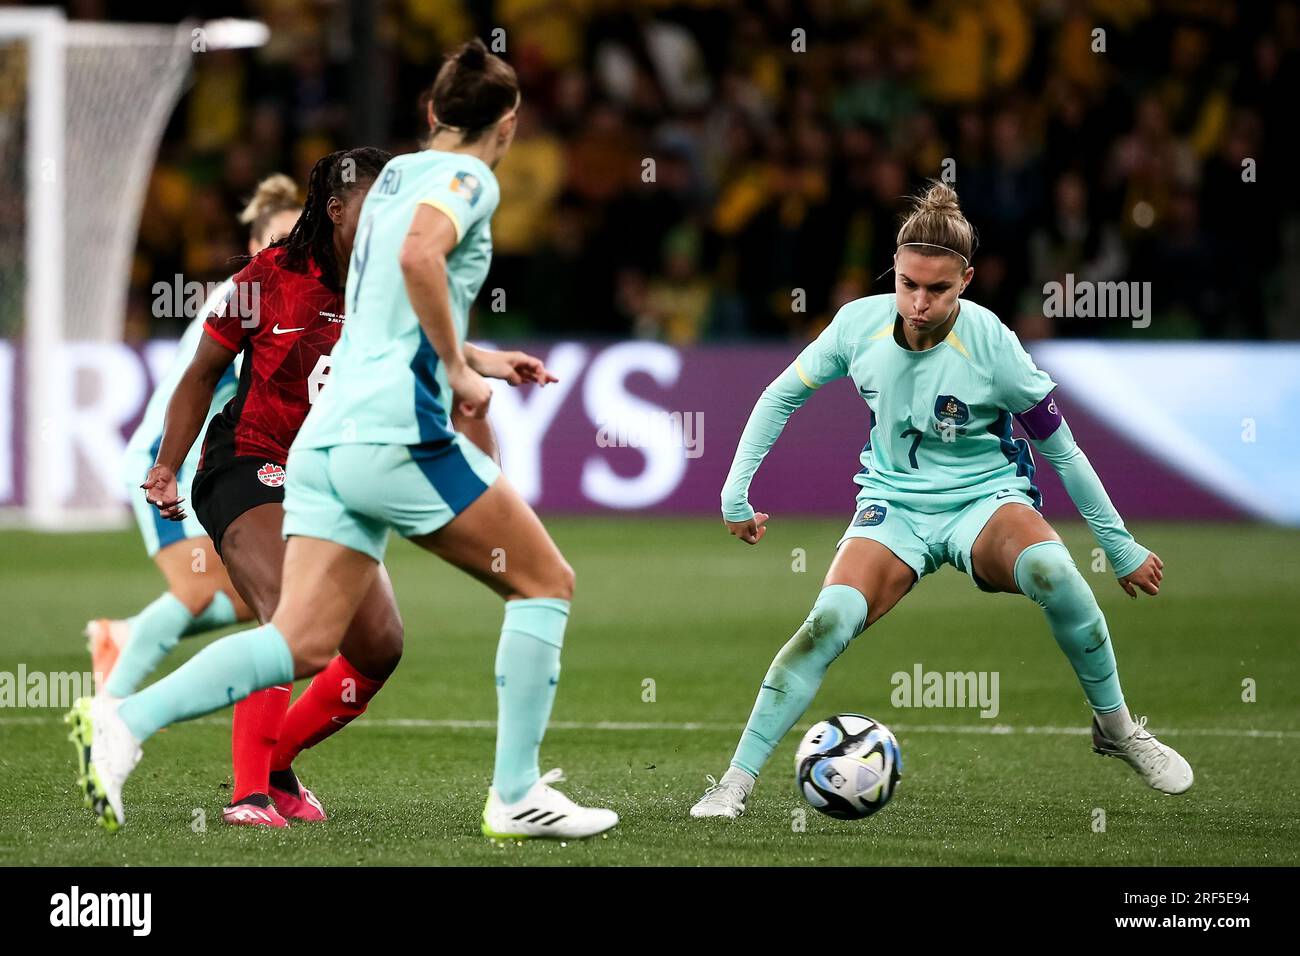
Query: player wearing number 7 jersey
(942, 482)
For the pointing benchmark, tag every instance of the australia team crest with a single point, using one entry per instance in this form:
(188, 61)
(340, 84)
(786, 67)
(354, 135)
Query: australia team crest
(951, 410)
(870, 516)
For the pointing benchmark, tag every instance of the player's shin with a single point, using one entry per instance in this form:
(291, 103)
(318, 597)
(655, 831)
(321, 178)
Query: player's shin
(220, 674)
(527, 672)
(154, 632)
(254, 736)
(336, 696)
(837, 617)
(1046, 574)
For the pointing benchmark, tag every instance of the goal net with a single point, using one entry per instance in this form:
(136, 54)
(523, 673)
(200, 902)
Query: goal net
(82, 109)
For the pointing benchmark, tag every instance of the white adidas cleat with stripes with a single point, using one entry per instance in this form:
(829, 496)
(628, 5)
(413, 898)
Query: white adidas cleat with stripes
(543, 812)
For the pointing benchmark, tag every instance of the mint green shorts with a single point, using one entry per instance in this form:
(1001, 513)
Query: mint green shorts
(353, 494)
(925, 542)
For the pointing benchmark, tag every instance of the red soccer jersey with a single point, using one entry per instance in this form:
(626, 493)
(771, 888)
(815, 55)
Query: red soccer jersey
(286, 323)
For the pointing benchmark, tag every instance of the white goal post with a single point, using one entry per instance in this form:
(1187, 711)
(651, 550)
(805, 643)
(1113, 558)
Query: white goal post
(83, 107)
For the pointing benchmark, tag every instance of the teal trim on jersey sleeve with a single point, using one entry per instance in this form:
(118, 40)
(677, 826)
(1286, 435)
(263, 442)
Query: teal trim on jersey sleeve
(1089, 496)
(772, 410)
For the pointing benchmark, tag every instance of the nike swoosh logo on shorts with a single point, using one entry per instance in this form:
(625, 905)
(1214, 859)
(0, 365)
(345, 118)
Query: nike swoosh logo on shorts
(279, 331)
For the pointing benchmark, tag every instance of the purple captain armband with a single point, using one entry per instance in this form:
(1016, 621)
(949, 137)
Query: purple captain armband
(1041, 421)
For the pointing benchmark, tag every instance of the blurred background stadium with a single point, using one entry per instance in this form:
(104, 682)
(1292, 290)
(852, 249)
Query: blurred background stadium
(702, 175)
(1125, 141)
(780, 164)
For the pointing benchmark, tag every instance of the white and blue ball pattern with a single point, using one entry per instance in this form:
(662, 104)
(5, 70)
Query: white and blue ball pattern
(848, 766)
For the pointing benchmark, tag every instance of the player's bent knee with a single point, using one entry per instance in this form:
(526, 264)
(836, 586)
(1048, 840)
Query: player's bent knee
(565, 580)
(385, 651)
(555, 580)
(311, 657)
(839, 616)
(1046, 573)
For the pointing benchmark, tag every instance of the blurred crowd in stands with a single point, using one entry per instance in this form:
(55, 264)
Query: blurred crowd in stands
(1113, 140)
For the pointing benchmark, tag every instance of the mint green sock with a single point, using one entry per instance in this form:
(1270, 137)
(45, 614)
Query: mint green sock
(837, 617)
(155, 631)
(219, 613)
(222, 673)
(1047, 575)
(527, 671)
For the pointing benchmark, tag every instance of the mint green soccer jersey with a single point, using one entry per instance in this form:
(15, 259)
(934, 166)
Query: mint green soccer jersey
(386, 384)
(941, 418)
(145, 439)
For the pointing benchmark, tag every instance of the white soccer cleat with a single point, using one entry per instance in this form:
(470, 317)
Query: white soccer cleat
(543, 812)
(1159, 765)
(107, 752)
(721, 800)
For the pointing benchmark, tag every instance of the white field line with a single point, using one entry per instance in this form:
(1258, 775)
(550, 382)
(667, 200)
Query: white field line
(420, 723)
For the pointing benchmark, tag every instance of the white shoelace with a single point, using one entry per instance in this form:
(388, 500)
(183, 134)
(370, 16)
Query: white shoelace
(718, 788)
(1146, 748)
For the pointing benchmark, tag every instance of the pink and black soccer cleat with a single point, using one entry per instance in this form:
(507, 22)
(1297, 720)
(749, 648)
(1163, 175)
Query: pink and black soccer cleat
(251, 815)
(303, 805)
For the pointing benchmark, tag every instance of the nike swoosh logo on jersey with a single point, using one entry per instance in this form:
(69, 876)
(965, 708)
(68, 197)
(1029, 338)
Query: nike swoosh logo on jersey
(279, 331)
(1003, 494)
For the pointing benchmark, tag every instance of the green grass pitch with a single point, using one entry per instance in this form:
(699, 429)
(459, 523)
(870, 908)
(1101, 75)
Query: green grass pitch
(678, 603)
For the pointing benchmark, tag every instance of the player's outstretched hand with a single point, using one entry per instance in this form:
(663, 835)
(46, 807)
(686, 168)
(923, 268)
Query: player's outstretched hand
(516, 368)
(471, 391)
(160, 491)
(1147, 576)
(751, 531)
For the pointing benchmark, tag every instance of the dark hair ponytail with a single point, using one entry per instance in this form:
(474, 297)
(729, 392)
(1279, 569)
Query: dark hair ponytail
(473, 89)
(336, 176)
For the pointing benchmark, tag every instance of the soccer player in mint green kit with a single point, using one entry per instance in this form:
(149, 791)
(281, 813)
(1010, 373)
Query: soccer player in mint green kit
(942, 481)
(377, 452)
(199, 595)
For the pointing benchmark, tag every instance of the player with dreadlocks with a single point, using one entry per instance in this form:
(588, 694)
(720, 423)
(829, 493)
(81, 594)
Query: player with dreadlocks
(199, 598)
(284, 313)
(376, 454)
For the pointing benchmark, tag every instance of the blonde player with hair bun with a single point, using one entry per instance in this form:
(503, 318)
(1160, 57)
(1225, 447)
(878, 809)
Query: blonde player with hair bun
(942, 482)
(272, 211)
(378, 452)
